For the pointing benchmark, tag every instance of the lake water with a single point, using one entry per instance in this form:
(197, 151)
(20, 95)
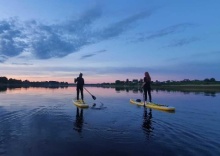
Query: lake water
(44, 122)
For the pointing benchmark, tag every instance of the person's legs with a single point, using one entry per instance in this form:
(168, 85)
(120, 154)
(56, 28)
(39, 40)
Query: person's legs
(81, 90)
(145, 94)
(149, 94)
(77, 93)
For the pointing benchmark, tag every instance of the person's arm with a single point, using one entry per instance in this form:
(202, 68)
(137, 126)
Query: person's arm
(75, 80)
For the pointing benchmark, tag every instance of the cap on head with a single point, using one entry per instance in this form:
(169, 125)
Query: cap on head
(80, 74)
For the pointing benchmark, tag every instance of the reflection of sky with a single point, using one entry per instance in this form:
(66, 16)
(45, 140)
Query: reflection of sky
(41, 121)
(109, 40)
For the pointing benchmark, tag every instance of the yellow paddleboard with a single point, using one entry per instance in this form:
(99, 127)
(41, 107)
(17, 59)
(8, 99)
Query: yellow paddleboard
(80, 103)
(153, 105)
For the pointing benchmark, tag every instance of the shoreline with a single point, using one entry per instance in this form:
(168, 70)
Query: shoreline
(189, 87)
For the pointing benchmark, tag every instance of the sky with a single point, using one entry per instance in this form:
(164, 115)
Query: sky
(108, 40)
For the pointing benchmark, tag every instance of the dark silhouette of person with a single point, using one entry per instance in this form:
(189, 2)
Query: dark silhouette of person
(147, 87)
(147, 123)
(78, 124)
(79, 88)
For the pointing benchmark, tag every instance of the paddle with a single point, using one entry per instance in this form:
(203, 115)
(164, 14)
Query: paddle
(94, 98)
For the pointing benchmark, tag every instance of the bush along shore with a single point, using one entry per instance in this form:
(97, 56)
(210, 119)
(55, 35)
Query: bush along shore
(184, 85)
(4, 81)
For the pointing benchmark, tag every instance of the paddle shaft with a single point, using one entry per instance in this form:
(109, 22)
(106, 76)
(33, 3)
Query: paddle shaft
(90, 94)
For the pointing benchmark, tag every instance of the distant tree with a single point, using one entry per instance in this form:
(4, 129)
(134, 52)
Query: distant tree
(14, 81)
(127, 81)
(168, 81)
(135, 81)
(117, 82)
(212, 80)
(141, 81)
(3, 80)
(206, 80)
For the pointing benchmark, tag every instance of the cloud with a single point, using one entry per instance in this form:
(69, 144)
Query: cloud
(45, 41)
(178, 28)
(214, 54)
(182, 42)
(11, 38)
(21, 63)
(118, 28)
(93, 54)
(2, 58)
(88, 55)
(209, 55)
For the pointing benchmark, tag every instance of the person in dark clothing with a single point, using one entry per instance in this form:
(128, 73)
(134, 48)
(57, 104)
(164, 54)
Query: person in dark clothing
(80, 83)
(147, 87)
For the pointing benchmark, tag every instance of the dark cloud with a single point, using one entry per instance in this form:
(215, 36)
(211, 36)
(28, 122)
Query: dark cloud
(86, 56)
(11, 38)
(46, 41)
(93, 54)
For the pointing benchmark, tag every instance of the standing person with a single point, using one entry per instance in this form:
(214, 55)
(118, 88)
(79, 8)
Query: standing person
(147, 87)
(80, 83)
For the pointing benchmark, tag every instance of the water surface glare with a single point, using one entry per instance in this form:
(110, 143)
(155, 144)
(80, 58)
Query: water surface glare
(43, 121)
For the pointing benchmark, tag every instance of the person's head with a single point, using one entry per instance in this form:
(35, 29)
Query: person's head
(80, 75)
(147, 75)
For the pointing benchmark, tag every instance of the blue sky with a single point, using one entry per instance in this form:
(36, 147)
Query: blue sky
(108, 40)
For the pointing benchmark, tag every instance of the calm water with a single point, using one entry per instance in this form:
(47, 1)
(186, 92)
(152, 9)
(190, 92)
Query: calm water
(44, 122)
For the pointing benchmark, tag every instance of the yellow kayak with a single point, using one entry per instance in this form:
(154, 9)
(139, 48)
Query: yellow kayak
(153, 105)
(80, 103)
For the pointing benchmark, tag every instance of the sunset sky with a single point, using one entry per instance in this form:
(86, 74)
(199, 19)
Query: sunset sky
(109, 40)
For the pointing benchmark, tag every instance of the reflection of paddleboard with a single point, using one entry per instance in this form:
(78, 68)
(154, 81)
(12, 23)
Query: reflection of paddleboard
(80, 103)
(153, 105)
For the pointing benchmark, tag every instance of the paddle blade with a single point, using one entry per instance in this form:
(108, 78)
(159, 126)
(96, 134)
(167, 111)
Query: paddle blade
(93, 97)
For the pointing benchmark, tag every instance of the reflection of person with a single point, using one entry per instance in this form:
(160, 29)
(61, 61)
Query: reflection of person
(80, 83)
(147, 127)
(147, 87)
(79, 120)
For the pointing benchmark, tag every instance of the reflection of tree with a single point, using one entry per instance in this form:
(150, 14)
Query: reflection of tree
(127, 89)
(119, 89)
(213, 94)
(186, 91)
(147, 123)
(3, 88)
(78, 124)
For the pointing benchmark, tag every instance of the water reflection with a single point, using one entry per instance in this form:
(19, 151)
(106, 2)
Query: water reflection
(213, 94)
(135, 90)
(147, 123)
(128, 89)
(3, 88)
(78, 124)
(184, 91)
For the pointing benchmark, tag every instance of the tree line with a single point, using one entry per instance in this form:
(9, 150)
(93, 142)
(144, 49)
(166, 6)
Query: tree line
(14, 82)
(136, 82)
